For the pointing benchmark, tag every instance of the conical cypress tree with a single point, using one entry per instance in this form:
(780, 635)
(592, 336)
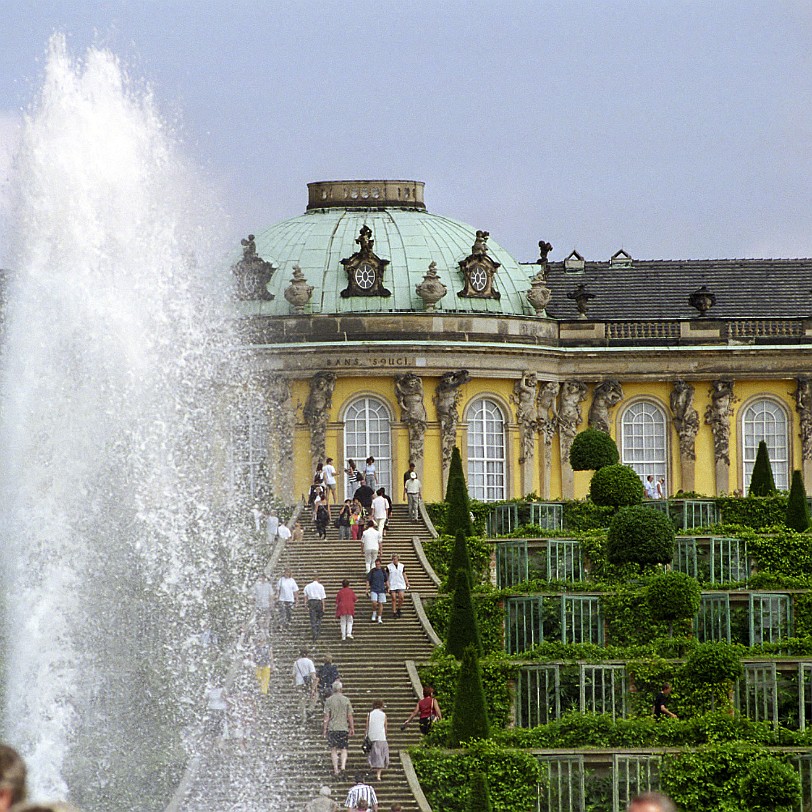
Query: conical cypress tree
(463, 630)
(761, 481)
(459, 508)
(480, 798)
(797, 516)
(470, 720)
(460, 560)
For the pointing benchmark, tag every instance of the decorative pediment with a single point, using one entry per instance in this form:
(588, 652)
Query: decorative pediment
(252, 274)
(365, 269)
(478, 270)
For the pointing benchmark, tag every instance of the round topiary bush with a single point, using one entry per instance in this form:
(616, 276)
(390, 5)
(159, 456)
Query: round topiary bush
(673, 596)
(640, 535)
(616, 485)
(592, 450)
(770, 785)
(716, 662)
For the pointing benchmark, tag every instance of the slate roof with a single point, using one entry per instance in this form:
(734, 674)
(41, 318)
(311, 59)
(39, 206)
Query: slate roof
(659, 289)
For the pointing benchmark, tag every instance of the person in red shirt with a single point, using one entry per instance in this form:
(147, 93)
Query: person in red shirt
(427, 709)
(345, 609)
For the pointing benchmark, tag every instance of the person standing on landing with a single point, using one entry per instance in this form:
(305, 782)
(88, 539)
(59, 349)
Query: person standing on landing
(398, 584)
(329, 471)
(412, 494)
(369, 473)
(345, 608)
(377, 588)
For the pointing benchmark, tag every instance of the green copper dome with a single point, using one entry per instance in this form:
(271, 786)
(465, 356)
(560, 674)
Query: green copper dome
(403, 233)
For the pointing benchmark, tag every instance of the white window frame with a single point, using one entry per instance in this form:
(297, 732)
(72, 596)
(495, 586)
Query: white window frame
(487, 450)
(646, 449)
(368, 432)
(757, 421)
(248, 446)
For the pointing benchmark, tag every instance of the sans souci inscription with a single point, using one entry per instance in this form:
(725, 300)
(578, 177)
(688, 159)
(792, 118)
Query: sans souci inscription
(375, 361)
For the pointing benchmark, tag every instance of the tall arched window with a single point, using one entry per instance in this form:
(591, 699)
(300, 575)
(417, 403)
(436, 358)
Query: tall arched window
(367, 433)
(766, 420)
(486, 451)
(249, 450)
(643, 443)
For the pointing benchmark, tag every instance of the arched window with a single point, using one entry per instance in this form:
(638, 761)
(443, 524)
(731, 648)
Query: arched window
(367, 433)
(643, 443)
(766, 420)
(486, 451)
(249, 450)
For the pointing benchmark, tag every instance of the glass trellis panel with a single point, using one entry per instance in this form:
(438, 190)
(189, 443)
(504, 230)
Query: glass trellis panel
(660, 505)
(249, 449)
(758, 692)
(565, 790)
(581, 619)
(503, 519)
(699, 514)
(538, 695)
(770, 617)
(804, 694)
(603, 690)
(728, 560)
(549, 515)
(632, 776)
(765, 420)
(643, 440)
(712, 622)
(511, 563)
(803, 763)
(564, 560)
(523, 623)
(486, 451)
(367, 433)
(685, 557)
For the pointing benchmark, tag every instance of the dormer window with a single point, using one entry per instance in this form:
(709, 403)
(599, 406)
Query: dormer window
(574, 263)
(365, 269)
(621, 259)
(478, 270)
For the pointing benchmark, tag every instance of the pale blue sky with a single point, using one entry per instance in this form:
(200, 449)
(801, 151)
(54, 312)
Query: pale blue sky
(671, 129)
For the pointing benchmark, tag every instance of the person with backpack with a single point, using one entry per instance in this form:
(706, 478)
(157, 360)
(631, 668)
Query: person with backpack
(322, 519)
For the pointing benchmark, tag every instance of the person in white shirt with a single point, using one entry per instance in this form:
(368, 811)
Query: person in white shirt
(412, 491)
(263, 601)
(271, 526)
(371, 544)
(286, 589)
(329, 471)
(315, 596)
(398, 584)
(257, 514)
(304, 680)
(651, 487)
(283, 533)
(380, 510)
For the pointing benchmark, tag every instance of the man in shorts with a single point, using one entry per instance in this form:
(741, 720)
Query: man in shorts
(329, 472)
(377, 587)
(398, 584)
(338, 726)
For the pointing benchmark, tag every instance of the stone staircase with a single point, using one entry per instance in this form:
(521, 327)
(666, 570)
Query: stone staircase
(283, 762)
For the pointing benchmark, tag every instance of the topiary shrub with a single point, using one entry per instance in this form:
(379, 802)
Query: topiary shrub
(470, 719)
(615, 486)
(639, 535)
(797, 516)
(463, 630)
(458, 517)
(770, 785)
(592, 450)
(673, 596)
(761, 480)
(480, 798)
(460, 560)
(709, 673)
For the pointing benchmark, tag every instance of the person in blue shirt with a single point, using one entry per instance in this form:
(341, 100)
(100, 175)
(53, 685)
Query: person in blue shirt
(377, 587)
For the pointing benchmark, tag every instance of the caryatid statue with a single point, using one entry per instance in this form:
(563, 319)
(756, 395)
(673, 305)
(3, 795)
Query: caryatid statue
(447, 399)
(524, 396)
(409, 392)
(317, 411)
(605, 397)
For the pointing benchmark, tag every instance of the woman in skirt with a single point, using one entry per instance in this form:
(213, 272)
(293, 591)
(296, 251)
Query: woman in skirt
(378, 756)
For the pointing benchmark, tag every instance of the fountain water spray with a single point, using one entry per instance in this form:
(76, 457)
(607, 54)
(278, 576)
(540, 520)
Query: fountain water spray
(112, 452)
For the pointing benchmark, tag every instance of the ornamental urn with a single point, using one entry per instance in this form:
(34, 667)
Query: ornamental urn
(539, 294)
(298, 292)
(431, 289)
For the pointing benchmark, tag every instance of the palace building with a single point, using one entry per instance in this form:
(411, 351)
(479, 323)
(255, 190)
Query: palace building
(376, 327)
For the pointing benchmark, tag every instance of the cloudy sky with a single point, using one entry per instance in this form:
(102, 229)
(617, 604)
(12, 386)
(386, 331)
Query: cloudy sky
(669, 129)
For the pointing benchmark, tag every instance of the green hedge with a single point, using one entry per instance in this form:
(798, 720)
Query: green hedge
(757, 512)
(439, 553)
(489, 613)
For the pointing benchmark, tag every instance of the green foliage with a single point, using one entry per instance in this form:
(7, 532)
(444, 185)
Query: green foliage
(770, 785)
(757, 512)
(460, 560)
(761, 480)
(592, 450)
(489, 613)
(462, 626)
(440, 551)
(583, 514)
(615, 486)
(446, 777)
(480, 798)
(470, 718)
(709, 673)
(639, 535)
(780, 551)
(459, 509)
(673, 596)
(797, 515)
